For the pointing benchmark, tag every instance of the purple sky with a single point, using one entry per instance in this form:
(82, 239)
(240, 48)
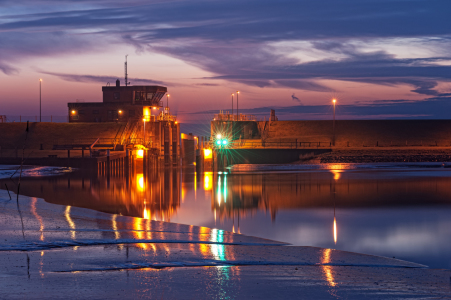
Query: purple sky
(379, 58)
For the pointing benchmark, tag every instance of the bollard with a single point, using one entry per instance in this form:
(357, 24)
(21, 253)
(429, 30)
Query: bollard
(145, 163)
(108, 161)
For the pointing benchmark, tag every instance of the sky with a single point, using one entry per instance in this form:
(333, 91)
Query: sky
(379, 58)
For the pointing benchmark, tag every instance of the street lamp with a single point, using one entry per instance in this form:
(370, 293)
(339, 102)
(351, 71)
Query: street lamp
(333, 125)
(232, 104)
(167, 101)
(40, 81)
(237, 92)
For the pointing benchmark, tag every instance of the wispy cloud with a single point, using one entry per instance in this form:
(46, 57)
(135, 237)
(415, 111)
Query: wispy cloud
(234, 39)
(429, 108)
(103, 79)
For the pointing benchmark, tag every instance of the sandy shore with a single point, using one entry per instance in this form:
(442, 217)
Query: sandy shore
(63, 250)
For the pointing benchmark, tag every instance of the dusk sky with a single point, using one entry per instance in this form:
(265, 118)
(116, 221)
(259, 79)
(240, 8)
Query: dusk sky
(379, 58)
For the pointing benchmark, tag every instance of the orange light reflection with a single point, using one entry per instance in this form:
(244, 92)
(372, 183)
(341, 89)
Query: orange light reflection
(328, 269)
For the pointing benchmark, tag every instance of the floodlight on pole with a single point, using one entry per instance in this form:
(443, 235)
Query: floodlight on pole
(232, 104)
(40, 81)
(237, 92)
(334, 101)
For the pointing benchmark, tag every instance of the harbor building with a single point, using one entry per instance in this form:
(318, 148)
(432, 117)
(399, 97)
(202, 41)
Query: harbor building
(146, 123)
(120, 103)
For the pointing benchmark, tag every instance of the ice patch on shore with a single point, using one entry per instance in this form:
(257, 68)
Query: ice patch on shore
(6, 171)
(221, 263)
(39, 246)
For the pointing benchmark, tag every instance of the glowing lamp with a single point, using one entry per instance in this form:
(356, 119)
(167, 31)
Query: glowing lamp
(73, 112)
(207, 153)
(218, 142)
(140, 153)
(218, 136)
(120, 111)
(334, 100)
(224, 142)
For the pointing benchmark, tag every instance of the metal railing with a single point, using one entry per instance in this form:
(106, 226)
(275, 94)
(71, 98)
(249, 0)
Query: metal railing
(229, 117)
(274, 145)
(87, 141)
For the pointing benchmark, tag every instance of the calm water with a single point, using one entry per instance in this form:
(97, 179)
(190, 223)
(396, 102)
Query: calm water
(395, 212)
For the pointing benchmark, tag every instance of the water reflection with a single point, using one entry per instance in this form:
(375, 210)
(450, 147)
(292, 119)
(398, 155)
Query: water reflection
(38, 217)
(400, 213)
(328, 269)
(70, 222)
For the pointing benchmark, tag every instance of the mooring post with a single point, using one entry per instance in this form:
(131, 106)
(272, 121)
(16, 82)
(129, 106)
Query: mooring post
(127, 162)
(145, 163)
(108, 161)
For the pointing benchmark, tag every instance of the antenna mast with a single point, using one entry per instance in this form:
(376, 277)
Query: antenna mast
(126, 75)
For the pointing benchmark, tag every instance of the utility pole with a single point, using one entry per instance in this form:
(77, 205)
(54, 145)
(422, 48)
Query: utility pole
(333, 125)
(237, 116)
(40, 81)
(232, 104)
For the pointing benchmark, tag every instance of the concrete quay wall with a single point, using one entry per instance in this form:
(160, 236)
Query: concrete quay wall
(14, 135)
(362, 133)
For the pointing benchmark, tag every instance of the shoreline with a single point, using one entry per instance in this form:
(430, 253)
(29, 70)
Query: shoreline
(62, 243)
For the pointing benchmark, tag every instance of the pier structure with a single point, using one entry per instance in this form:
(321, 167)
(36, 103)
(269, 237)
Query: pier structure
(242, 139)
(147, 124)
(130, 123)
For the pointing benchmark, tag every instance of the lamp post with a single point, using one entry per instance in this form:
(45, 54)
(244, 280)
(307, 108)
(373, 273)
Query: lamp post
(333, 125)
(237, 92)
(40, 81)
(232, 104)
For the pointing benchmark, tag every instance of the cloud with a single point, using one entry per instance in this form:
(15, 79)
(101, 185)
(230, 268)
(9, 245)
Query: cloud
(103, 79)
(296, 99)
(429, 108)
(8, 70)
(235, 39)
(206, 84)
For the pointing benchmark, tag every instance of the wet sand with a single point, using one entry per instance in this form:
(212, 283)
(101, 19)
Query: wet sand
(63, 250)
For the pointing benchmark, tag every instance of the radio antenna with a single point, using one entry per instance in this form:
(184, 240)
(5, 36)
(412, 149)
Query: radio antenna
(126, 75)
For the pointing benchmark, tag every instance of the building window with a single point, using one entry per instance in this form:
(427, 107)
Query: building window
(81, 112)
(117, 96)
(112, 115)
(139, 96)
(95, 112)
(131, 113)
(75, 117)
(150, 96)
